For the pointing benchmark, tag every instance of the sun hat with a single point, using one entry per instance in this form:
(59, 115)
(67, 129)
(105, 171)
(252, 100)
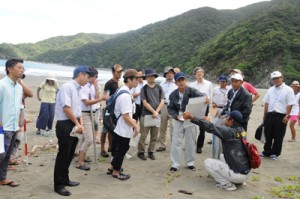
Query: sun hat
(150, 72)
(51, 76)
(167, 69)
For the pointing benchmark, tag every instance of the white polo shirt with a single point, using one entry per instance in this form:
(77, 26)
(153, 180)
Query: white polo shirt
(168, 88)
(124, 104)
(279, 98)
(85, 92)
(220, 95)
(204, 87)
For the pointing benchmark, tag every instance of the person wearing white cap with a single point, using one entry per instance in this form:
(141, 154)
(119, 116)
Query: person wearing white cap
(278, 104)
(295, 112)
(45, 119)
(239, 99)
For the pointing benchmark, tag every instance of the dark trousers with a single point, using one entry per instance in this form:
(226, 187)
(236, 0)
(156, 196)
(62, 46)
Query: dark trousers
(121, 146)
(138, 112)
(46, 116)
(274, 132)
(66, 149)
(201, 136)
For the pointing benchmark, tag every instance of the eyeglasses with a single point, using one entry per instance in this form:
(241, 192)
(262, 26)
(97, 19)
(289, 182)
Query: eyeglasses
(276, 78)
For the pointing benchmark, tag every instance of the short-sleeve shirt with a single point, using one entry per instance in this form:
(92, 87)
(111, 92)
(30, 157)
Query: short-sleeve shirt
(168, 88)
(249, 88)
(124, 104)
(68, 95)
(295, 107)
(85, 92)
(111, 86)
(154, 97)
(278, 98)
(220, 96)
(205, 87)
(48, 92)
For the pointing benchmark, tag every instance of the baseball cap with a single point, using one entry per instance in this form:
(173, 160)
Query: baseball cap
(236, 116)
(237, 76)
(237, 71)
(81, 69)
(131, 73)
(179, 75)
(276, 74)
(223, 78)
(167, 69)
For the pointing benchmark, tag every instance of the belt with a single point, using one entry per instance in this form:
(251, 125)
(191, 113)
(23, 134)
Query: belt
(274, 113)
(220, 106)
(88, 111)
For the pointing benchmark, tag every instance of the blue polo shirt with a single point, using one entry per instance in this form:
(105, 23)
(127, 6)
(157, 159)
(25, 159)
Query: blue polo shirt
(10, 104)
(68, 95)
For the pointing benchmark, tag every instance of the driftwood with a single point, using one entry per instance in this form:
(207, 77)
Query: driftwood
(49, 145)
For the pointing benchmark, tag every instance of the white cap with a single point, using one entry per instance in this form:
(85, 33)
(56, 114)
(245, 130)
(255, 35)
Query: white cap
(237, 76)
(276, 74)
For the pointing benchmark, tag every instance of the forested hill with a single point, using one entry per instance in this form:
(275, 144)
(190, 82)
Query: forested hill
(257, 39)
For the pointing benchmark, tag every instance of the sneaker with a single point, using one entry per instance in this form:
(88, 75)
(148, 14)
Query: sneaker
(151, 155)
(142, 156)
(262, 155)
(127, 156)
(160, 149)
(45, 133)
(191, 168)
(104, 154)
(274, 157)
(173, 169)
(228, 186)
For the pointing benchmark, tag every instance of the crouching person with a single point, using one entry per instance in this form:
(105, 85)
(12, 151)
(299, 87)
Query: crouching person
(233, 166)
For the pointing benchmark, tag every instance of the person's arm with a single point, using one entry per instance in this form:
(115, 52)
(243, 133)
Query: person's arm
(255, 97)
(266, 107)
(27, 91)
(71, 116)
(172, 108)
(131, 122)
(161, 104)
(287, 115)
(38, 93)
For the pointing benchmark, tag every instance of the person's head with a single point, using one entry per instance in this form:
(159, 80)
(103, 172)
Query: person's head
(51, 79)
(131, 77)
(181, 81)
(93, 74)
(14, 68)
(277, 78)
(236, 81)
(295, 86)
(222, 81)
(81, 75)
(150, 75)
(233, 118)
(117, 70)
(141, 76)
(169, 73)
(199, 73)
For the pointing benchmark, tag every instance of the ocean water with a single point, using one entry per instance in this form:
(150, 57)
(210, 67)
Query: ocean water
(43, 69)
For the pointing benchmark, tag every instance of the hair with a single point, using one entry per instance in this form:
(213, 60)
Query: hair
(93, 71)
(113, 69)
(196, 69)
(126, 79)
(11, 63)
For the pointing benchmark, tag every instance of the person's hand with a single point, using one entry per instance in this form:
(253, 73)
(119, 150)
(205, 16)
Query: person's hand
(39, 98)
(285, 119)
(214, 105)
(80, 129)
(207, 100)
(20, 129)
(187, 116)
(206, 118)
(155, 114)
(105, 97)
(135, 130)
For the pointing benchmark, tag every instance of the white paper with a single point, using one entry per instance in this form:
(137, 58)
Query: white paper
(197, 107)
(149, 121)
(2, 149)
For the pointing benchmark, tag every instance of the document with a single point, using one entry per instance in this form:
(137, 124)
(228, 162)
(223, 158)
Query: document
(149, 121)
(197, 107)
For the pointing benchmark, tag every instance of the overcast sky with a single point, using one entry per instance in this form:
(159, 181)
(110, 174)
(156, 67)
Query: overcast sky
(24, 21)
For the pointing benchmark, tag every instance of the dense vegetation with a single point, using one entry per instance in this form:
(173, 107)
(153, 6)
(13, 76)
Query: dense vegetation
(257, 39)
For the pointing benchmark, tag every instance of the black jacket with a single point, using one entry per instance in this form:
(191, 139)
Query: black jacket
(174, 106)
(234, 150)
(242, 102)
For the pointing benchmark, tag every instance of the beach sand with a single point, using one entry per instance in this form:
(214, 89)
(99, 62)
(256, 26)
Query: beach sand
(149, 179)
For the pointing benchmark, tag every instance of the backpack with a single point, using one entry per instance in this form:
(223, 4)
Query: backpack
(108, 113)
(254, 157)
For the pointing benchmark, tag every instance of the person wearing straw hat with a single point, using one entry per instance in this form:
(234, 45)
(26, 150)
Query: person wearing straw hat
(45, 119)
(295, 112)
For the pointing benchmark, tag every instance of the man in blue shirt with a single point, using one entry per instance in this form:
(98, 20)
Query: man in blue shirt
(10, 106)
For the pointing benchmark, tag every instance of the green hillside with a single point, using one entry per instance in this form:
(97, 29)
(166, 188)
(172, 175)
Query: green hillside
(258, 45)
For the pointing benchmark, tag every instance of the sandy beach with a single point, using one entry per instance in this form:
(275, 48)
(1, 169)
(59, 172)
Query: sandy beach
(149, 179)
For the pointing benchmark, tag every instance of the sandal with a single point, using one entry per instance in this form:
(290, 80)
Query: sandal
(110, 171)
(11, 184)
(121, 176)
(14, 162)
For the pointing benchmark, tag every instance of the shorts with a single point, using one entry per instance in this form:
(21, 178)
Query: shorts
(293, 118)
(104, 130)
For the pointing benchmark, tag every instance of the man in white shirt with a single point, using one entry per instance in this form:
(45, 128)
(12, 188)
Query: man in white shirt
(168, 87)
(135, 92)
(126, 126)
(204, 86)
(278, 104)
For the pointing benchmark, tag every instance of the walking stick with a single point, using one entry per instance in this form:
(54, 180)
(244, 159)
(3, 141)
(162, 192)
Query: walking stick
(93, 130)
(25, 136)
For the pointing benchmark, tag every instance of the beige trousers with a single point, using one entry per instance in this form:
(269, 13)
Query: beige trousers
(165, 117)
(87, 139)
(144, 133)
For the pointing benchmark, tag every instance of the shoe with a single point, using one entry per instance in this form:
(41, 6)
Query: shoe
(151, 156)
(110, 171)
(87, 160)
(45, 133)
(83, 167)
(72, 184)
(160, 149)
(127, 156)
(199, 150)
(209, 142)
(191, 168)
(173, 169)
(104, 154)
(121, 176)
(63, 192)
(274, 157)
(38, 132)
(228, 186)
(142, 156)
(262, 154)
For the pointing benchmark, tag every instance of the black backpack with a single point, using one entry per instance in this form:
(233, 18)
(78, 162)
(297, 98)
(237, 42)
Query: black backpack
(108, 113)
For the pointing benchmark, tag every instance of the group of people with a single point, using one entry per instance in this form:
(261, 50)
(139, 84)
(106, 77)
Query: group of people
(149, 108)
